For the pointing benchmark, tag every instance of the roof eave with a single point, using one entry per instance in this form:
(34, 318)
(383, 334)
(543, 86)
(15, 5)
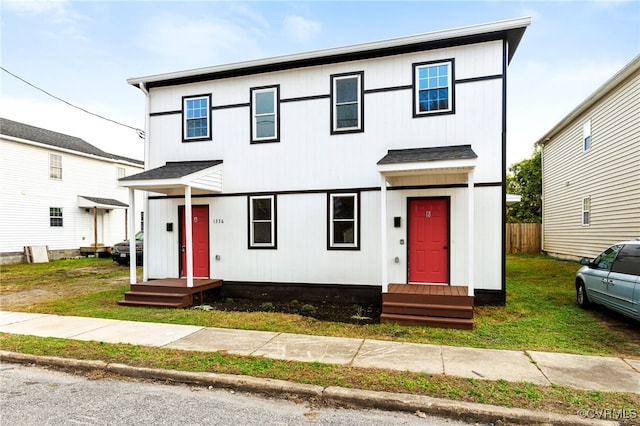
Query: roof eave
(511, 29)
(621, 76)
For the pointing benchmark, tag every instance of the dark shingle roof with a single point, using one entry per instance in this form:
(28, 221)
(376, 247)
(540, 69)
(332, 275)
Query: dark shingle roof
(55, 139)
(107, 201)
(173, 170)
(458, 152)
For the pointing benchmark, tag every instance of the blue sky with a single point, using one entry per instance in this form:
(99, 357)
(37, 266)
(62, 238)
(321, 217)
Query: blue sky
(83, 52)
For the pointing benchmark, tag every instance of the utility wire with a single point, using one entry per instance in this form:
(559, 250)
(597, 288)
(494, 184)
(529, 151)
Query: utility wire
(140, 132)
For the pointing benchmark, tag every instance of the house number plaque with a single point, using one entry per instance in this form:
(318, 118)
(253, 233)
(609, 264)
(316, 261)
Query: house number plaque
(217, 221)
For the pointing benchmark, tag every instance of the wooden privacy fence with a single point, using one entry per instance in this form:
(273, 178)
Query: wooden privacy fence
(524, 238)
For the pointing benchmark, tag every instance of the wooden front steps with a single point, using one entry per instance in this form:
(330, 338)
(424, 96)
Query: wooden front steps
(168, 293)
(428, 305)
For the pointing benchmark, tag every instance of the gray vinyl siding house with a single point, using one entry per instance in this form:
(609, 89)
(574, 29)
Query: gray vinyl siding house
(591, 171)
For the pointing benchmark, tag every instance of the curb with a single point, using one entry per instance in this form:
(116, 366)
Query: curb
(335, 395)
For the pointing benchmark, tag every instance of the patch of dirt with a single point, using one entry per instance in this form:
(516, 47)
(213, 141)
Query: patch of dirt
(323, 311)
(618, 322)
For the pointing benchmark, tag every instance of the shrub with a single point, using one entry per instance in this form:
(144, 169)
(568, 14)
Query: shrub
(308, 310)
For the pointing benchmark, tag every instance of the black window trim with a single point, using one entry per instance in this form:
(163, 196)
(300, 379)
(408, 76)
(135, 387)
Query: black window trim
(274, 219)
(334, 129)
(356, 243)
(452, 94)
(276, 137)
(185, 139)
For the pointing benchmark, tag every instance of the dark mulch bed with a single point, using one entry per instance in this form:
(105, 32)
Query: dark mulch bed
(322, 310)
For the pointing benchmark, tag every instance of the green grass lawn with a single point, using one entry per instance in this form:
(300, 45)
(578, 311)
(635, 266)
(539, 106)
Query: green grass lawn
(540, 313)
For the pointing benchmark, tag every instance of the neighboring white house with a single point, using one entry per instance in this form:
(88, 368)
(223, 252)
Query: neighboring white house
(348, 168)
(591, 171)
(59, 191)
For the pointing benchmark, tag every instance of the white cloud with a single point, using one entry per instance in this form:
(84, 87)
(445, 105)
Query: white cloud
(187, 42)
(300, 28)
(64, 19)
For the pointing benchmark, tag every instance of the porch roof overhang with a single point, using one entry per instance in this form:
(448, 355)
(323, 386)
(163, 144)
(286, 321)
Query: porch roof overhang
(204, 177)
(86, 202)
(427, 161)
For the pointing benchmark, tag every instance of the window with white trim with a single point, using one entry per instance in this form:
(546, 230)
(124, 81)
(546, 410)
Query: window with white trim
(196, 116)
(55, 166)
(262, 221)
(265, 117)
(586, 136)
(55, 216)
(347, 103)
(344, 224)
(586, 211)
(433, 88)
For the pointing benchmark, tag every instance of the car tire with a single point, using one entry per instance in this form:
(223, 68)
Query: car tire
(581, 295)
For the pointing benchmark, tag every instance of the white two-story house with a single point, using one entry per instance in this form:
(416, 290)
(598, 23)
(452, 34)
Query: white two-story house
(356, 171)
(61, 192)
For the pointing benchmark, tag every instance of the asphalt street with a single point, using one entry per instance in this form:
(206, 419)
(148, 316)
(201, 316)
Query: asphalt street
(36, 396)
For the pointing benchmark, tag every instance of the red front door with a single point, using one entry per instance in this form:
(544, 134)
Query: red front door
(429, 240)
(200, 236)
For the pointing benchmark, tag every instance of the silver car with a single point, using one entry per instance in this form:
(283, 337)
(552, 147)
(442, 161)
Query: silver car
(612, 279)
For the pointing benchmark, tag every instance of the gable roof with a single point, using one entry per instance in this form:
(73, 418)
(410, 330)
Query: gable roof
(58, 140)
(510, 30)
(204, 177)
(627, 71)
(173, 170)
(439, 153)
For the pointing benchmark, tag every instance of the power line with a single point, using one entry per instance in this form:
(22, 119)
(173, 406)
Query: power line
(140, 132)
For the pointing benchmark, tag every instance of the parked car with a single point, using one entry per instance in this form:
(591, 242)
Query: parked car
(120, 252)
(612, 279)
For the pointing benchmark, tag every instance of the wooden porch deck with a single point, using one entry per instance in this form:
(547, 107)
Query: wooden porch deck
(428, 305)
(168, 293)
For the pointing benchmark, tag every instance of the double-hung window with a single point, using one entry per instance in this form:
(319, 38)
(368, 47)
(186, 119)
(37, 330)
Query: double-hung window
(196, 118)
(265, 114)
(55, 216)
(55, 166)
(433, 88)
(344, 227)
(262, 221)
(586, 136)
(586, 211)
(347, 103)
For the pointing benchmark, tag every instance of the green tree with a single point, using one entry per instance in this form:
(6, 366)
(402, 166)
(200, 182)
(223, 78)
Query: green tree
(525, 179)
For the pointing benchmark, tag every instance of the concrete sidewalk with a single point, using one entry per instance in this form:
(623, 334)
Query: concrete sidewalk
(543, 368)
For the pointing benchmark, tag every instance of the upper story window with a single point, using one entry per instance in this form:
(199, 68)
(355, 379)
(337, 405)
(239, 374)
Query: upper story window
(586, 136)
(433, 88)
(196, 118)
(586, 211)
(347, 103)
(265, 114)
(55, 216)
(344, 221)
(55, 166)
(262, 221)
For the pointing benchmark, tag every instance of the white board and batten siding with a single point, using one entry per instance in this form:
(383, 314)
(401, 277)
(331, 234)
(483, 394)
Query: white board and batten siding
(27, 193)
(308, 163)
(608, 173)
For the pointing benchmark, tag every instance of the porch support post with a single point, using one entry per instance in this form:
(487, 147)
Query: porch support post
(383, 233)
(145, 233)
(132, 237)
(188, 226)
(470, 231)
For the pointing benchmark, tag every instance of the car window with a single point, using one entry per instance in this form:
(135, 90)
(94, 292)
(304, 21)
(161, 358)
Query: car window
(628, 260)
(605, 260)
